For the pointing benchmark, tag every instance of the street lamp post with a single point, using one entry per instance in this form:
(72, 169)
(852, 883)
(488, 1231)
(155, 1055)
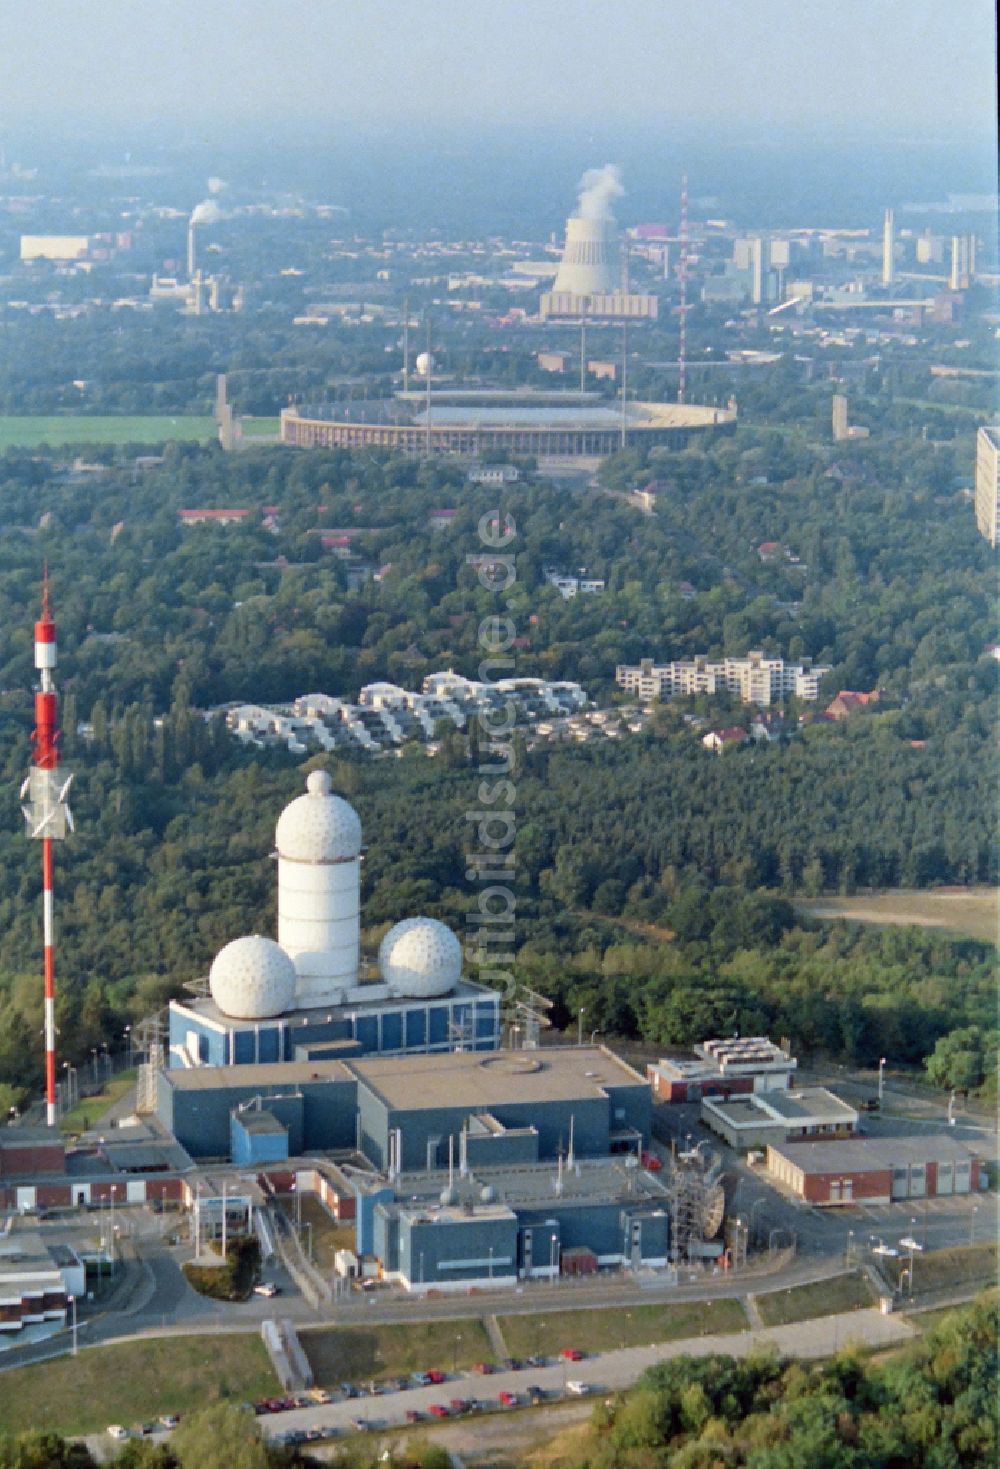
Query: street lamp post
(552, 1258)
(93, 1057)
(757, 1203)
(72, 1301)
(128, 1042)
(579, 1025)
(491, 1263)
(881, 1079)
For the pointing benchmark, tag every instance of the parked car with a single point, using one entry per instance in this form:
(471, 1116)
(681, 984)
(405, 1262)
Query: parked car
(536, 1393)
(422, 1379)
(115, 1430)
(266, 1288)
(484, 1368)
(320, 1395)
(169, 1420)
(571, 1354)
(578, 1389)
(438, 1410)
(435, 1376)
(359, 1425)
(507, 1399)
(458, 1405)
(413, 1416)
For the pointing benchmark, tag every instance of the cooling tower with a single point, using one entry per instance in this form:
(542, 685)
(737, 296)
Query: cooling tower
(590, 263)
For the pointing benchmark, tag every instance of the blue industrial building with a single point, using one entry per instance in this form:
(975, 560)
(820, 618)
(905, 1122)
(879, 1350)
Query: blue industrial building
(409, 1113)
(371, 1021)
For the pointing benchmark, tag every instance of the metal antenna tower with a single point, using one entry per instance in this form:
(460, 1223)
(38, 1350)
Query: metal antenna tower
(48, 818)
(683, 277)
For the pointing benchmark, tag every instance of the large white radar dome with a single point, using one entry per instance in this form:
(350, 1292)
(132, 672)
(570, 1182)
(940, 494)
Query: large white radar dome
(420, 957)
(319, 826)
(252, 979)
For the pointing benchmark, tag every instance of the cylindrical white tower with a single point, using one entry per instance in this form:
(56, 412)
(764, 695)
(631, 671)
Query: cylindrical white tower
(590, 262)
(318, 837)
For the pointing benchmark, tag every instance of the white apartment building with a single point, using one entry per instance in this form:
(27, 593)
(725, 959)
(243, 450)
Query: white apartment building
(988, 484)
(755, 679)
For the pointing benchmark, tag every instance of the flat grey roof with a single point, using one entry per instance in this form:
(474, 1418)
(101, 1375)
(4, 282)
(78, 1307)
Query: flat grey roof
(533, 1185)
(278, 1074)
(857, 1154)
(814, 1103)
(482, 1080)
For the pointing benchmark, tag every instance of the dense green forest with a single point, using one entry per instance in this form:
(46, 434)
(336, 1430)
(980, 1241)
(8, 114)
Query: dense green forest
(932, 1406)
(653, 881)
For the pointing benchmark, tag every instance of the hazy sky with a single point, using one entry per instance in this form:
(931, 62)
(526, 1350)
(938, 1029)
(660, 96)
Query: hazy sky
(915, 68)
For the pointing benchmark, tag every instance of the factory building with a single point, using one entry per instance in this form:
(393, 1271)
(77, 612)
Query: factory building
(501, 1225)
(408, 1113)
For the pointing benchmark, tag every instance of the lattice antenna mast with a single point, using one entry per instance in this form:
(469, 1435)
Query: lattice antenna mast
(48, 818)
(683, 278)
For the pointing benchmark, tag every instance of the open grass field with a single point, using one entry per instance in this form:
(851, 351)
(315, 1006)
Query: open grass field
(631, 1326)
(135, 1381)
(90, 1109)
(363, 1354)
(821, 1298)
(954, 1268)
(60, 429)
(972, 912)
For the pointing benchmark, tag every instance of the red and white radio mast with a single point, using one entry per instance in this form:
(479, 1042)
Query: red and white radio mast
(48, 817)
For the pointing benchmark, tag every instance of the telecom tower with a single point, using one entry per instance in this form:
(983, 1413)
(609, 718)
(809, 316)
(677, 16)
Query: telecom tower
(48, 817)
(683, 277)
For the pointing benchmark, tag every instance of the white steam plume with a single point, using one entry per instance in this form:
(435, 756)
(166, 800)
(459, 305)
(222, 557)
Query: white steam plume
(599, 187)
(208, 212)
(216, 185)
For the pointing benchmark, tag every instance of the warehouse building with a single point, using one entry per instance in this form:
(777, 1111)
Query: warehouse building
(876, 1170)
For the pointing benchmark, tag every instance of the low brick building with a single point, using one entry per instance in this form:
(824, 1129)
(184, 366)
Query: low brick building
(875, 1170)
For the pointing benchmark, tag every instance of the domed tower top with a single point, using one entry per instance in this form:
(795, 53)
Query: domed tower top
(319, 826)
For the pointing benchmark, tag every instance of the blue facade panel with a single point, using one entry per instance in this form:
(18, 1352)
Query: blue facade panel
(249, 1147)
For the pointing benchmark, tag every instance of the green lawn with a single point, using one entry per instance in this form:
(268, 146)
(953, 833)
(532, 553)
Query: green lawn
(61, 429)
(821, 1298)
(134, 1381)
(629, 1326)
(962, 1265)
(90, 1109)
(360, 1354)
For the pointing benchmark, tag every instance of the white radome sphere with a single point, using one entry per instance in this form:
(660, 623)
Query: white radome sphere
(252, 979)
(420, 957)
(319, 826)
(424, 364)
